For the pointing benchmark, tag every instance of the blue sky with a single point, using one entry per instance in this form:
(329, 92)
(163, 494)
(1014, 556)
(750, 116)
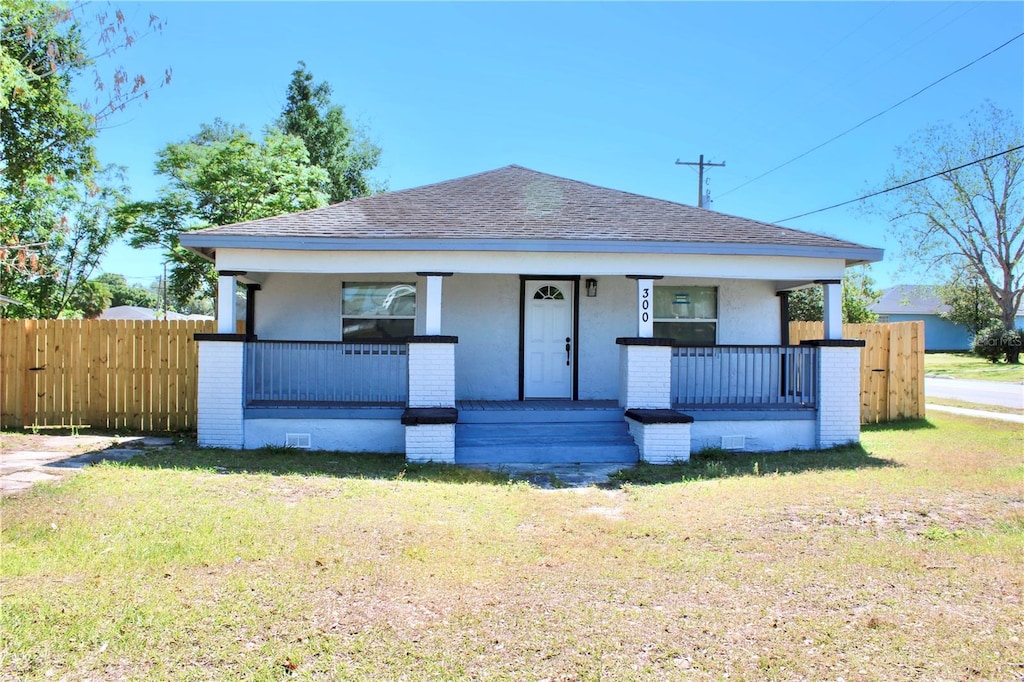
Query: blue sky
(607, 93)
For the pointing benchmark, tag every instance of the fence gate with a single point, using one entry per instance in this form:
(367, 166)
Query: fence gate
(134, 374)
(891, 366)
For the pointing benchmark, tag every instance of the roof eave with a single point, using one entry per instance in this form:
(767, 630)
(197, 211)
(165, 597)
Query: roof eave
(205, 245)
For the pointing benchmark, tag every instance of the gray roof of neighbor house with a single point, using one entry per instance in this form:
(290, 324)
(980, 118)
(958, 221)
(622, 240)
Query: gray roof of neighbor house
(513, 207)
(913, 299)
(909, 299)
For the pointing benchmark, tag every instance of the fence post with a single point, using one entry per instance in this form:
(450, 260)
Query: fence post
(28, 390)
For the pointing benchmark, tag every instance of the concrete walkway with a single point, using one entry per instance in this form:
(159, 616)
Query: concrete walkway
(21, 469)
(982, 414)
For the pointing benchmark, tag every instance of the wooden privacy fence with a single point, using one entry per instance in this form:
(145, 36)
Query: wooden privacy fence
(891, 366)
(134, 374)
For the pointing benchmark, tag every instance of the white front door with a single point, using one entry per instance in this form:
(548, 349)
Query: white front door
(548, 339)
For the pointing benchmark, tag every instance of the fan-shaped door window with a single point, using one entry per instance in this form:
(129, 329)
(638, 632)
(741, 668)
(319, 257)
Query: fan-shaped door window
(549, 293)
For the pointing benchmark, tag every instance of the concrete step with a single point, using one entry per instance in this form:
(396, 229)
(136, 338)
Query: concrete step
(597, 438)
(562, 453)
(575, 431)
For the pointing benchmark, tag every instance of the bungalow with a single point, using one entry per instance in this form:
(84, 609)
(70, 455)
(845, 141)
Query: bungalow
(514, 316)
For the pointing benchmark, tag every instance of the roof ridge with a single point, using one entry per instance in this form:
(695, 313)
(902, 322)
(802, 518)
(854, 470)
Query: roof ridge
(791, 230)
(482, 204)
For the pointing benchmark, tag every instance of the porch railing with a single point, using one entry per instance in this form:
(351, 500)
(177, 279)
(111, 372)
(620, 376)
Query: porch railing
(744, 376)
(303, 372)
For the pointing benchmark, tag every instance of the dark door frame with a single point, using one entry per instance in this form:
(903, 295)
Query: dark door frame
(575, 279)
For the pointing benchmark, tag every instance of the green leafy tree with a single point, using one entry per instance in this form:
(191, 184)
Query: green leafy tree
(331, 141)
(91, 298)
(970, 304)
(72, 226)
(122, 293)
(970, 218)
(859, 293)
(55, 199)
(220, 176)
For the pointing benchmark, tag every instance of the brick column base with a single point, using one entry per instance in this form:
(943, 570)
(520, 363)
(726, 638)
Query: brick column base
(838, 376)
(661, 436)
(221, 406)
(645, 373)
(431, 415)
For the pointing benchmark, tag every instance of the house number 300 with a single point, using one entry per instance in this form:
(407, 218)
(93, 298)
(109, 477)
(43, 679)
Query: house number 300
(645, 305)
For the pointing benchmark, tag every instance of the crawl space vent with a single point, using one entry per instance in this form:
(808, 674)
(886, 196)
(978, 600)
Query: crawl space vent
(734, 442)
(298, 440)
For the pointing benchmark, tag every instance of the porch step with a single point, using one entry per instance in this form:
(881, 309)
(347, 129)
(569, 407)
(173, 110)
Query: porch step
(544, 437)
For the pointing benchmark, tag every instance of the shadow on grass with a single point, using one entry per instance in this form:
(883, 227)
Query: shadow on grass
(287, 461)
(715, 463)
(702, 466)
(900, 425)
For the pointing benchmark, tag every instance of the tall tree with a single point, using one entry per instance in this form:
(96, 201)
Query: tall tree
(55, 200)
(971, 218)
(221, 175)
(331, 141)
(122, 293)
(858, 294)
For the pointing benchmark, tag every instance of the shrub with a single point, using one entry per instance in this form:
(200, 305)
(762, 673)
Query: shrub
(995, 343)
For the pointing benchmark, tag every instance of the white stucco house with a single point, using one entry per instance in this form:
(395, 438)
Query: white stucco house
(514, 316)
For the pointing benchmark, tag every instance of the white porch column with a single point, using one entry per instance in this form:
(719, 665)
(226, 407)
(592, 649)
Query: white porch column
(832, 291)
(432, 321)
(227, 318)
(644, 304)
(220, 419)
(838, 379)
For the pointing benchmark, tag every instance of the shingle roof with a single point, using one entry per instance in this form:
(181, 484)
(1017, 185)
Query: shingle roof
(518, 203)
(909, 299)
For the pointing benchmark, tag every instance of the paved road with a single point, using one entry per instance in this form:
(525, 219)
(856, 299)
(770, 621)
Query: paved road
(980, 392)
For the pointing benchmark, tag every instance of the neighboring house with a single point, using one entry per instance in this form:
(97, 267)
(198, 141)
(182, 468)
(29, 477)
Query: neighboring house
(911, 302)
(513, 316)
(134, 312)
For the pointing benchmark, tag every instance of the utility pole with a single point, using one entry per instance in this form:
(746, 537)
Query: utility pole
(700, 175)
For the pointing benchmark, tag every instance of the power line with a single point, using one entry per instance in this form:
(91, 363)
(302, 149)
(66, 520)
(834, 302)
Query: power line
(905, 184)
(872, 118)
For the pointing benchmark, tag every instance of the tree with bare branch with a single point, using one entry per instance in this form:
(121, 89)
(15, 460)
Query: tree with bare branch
(967, 222)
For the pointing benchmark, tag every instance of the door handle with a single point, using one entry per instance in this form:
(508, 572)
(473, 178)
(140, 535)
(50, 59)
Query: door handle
(568, 347)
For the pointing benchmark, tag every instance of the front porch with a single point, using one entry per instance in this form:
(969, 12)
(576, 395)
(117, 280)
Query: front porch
(358, 397)
(513, 285)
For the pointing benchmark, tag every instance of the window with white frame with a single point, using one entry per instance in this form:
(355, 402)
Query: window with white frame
(686, 314)
(375, 311)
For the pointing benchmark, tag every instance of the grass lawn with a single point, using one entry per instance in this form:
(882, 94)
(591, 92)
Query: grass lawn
(967, 366)
(901, 559)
